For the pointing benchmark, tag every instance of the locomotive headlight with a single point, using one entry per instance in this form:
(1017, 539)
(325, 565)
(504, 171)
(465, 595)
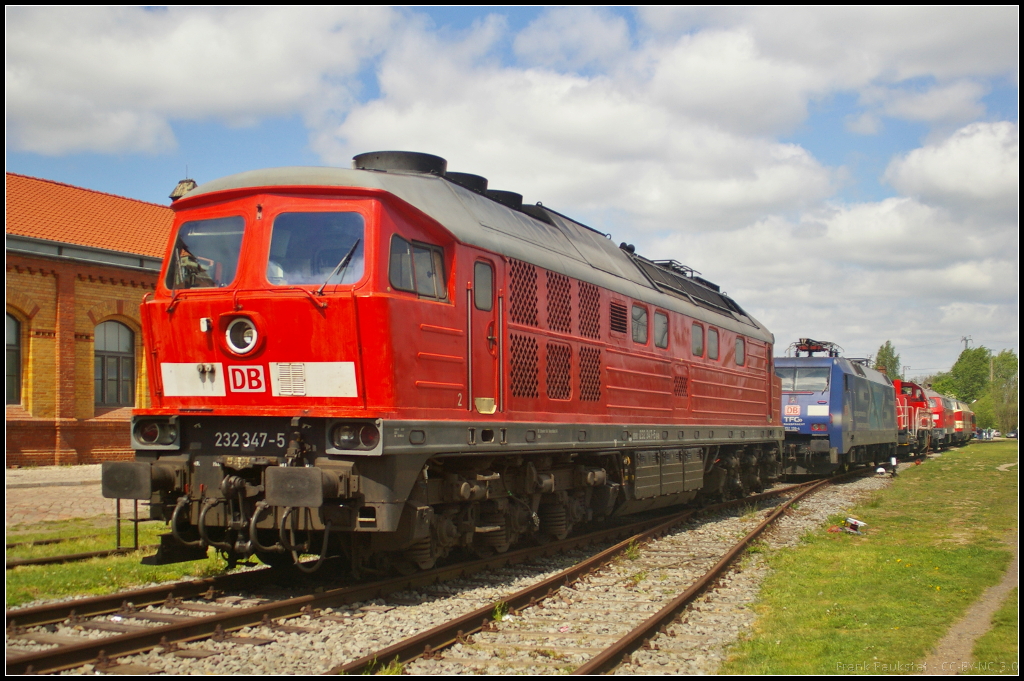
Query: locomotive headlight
(148, 432)
(242, 336)
(369, 436)
(155, 432)
(345, 437)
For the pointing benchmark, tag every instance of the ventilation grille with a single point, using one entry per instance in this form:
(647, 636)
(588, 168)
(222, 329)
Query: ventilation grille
(590, 374)
(523, 293)
(619, 318)
(291, 378)
(559, 365)
(679, 386)
(524, 366)
(590, 310)
(559, 302)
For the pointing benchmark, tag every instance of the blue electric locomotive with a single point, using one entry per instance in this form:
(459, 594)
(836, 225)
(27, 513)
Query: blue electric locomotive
(837, 413)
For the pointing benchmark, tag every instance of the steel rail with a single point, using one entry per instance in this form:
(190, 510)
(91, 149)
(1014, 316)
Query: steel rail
(74, 557)
(439, 637)
(613, 654)
(57, 540)
(75, 655)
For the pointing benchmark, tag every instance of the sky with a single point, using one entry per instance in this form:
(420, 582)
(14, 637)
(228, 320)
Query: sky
(847, 174)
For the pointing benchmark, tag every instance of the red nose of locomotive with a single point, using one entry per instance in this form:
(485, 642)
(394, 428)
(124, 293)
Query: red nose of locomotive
(258, 310)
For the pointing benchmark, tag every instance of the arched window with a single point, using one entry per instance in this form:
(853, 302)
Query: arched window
(13, 360)
(115, 365)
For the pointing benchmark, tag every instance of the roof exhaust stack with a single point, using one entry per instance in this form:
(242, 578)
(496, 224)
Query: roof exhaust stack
(403, 161)
(510, 199)
(472, 182)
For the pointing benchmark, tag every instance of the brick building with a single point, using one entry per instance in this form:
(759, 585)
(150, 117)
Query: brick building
(78, 264)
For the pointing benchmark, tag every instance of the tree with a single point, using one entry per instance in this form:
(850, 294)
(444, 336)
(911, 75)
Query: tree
(1003, 389)
(887, 361)
(968, 378)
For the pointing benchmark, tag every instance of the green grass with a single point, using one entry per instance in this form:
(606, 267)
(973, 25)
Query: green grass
(996, 652)
(94, 576)
(841, 603)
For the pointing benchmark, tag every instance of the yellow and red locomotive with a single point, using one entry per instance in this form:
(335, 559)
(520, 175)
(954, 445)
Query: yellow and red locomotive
(392, 361)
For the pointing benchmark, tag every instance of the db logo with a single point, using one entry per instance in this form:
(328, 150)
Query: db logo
(792, 410)
(246, 379)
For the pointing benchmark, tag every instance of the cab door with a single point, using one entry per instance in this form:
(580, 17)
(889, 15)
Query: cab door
(484, 337)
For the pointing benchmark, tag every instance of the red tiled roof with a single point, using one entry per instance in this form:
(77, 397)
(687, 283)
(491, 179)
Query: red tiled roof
(43, 209)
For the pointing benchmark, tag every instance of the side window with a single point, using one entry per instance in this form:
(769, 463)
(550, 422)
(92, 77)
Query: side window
(13, 360)
(660, 330)
(639, 325)
(417, 268)
(741, 352)
(483, 286)
(114, 365)
(400, 268)
(712, 343)
(697, 340)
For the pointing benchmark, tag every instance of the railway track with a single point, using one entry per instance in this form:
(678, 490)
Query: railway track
(562, 623)
(171, 619)
(75, 557)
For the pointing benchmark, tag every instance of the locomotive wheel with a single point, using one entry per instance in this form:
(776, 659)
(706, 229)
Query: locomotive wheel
(554, 522)
(422, 554)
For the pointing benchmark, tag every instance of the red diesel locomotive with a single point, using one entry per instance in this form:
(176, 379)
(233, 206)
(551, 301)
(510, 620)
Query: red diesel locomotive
(389, 362)
(913, 419)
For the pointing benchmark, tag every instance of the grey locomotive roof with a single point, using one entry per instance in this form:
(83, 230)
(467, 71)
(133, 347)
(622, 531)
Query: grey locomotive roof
(845, 365)
(566, 247)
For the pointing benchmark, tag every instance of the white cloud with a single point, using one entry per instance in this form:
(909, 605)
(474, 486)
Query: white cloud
(724, 79)
(956, 102)
(976, 169)
(111, 79)
(856, 45)
(573, 38)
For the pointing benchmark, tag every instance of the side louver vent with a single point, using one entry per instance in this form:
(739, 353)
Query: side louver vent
(618, 318)
(590, 374)
(291, 378)
(590, 310)
(559, 302)
(523, 293)
(523, 370)
(559, 368)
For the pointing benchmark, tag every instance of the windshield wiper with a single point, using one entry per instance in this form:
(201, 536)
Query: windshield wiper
(342, 264)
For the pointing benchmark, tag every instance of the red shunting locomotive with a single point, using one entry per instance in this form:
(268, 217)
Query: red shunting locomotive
(391, 362)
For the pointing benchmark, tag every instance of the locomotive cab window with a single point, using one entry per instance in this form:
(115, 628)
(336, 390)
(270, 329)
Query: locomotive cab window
(741, 352)
(417, 268)
(712, 343)
(316, 248)
(804, 379)
(639, 325)
(483, 286)
(205, 254)
(660, 330)
(697, 340)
